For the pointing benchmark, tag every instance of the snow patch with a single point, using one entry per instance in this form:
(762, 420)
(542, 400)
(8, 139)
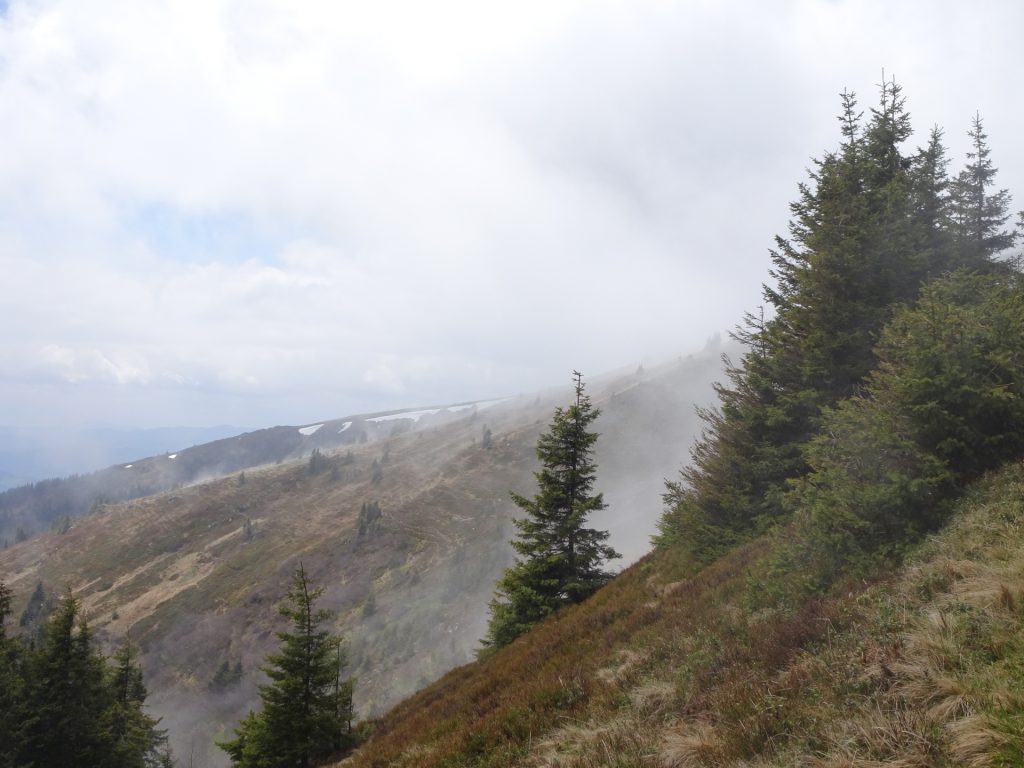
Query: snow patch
(345, 426)
(172, 455)
(457, 408)
(307, 431)
(414, 415)
(128, 466)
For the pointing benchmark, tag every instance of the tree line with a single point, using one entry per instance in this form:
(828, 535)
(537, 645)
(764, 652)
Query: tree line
(63, 704)
(889, 371)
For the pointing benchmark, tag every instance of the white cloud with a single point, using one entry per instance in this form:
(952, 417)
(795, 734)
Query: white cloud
(442, 201)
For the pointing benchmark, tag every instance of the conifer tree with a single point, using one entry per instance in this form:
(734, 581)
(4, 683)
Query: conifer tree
(931, 211)
(135, 741)
(867, 230)
(63, 704)
(307, 705)
(12, 689)
(562, 560)
(68, 694)
(979, 215)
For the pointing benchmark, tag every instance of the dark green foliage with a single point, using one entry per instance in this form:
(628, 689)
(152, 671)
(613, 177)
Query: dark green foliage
(376, 473)
(135, 740)
(63, 704)
(955, 365)
(870, 227)
(227, 675)
(978, 214)
(67, 694)
(318, 463)
(931, 213)
(307, 706)
(562, 561)
(13, 715)
(872, 492)
(945, 404)
(369, 518)
(38, 609)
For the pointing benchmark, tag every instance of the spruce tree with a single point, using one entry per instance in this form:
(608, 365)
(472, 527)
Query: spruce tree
(307, 706)
(979, 215)
(135, 741)
(12, 689)
(63, 704)
(68, 694)
(931, 204)
(867, 230)
(562, 560)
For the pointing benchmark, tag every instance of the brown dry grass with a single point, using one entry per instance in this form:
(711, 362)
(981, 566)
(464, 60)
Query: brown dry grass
(667, 669)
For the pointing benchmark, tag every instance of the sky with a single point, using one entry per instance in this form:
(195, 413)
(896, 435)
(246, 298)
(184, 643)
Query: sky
(277, 212)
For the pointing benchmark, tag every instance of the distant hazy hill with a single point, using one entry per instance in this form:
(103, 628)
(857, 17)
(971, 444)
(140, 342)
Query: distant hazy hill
(31, 454)
(196, 572)
(28, 509)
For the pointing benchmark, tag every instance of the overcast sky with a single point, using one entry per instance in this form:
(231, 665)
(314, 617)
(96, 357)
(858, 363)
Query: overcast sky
(261, 212)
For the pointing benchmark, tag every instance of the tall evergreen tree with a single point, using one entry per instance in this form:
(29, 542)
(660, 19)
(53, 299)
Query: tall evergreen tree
(12, 689)
(944, 405)
(63, 704)
(562, 560)
(859, 245)
(307, 706)
(135, 740)
(68, 694)
(979, 215)
(931, 211)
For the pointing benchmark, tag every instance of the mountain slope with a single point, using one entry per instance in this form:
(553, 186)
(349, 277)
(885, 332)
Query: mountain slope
(28, 455)
(28, 509)
(678, 668)
(196, 572)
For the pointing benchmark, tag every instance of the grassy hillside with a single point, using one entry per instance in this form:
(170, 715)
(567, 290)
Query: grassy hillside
(677, 666)
(196, 573)
(51, 504)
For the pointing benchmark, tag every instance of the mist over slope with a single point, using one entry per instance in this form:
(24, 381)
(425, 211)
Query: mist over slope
(28, 509)
(196, 572)
(679, 665)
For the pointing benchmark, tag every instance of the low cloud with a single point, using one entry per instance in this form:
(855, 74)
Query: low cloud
(287, 212)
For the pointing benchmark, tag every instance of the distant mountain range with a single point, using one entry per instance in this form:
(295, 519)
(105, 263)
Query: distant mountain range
(31, 454)
(30, 508)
